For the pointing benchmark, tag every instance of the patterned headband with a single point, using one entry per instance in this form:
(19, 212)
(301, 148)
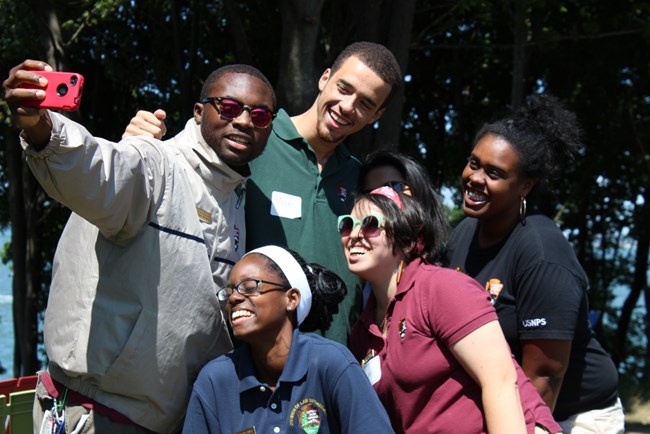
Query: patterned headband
(390, 193)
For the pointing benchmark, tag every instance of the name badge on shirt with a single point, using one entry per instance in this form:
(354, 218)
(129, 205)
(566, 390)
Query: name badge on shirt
(372, 368)
(286, 205)
(250, 430)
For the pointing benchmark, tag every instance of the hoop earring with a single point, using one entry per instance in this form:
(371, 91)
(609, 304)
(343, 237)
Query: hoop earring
(522, 210)
(400, 269)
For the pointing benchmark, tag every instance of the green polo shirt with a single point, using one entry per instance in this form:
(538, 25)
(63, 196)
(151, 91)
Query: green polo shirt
(289, 203)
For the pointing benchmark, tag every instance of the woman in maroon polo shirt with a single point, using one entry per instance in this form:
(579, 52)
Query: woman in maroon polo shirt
(429, 338)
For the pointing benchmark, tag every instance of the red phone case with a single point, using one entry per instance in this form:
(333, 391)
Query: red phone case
(63, 91)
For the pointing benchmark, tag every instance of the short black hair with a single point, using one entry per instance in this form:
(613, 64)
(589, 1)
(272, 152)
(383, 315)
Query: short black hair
(376, 57)
(236, 68)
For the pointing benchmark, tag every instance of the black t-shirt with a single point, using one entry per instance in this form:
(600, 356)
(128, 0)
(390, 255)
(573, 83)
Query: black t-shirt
(542, 296)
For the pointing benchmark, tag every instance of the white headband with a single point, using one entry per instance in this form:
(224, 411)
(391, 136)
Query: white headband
(294, 274)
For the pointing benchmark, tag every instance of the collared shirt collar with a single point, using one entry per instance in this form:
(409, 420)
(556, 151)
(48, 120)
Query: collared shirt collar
(285, 129)
(408, 276)
(294, 370)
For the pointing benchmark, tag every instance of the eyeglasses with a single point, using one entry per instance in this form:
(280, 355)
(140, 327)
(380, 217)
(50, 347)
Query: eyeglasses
(399, 186)
(230, 108)
(248, 287)
(371, 225)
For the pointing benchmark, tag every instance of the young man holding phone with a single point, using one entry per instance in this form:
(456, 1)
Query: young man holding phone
(132, 314)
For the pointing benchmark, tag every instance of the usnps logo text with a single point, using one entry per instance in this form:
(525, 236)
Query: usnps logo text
(534, 322)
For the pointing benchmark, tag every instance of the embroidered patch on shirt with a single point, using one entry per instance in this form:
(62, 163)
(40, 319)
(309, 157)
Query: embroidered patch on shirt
(402, 328)
(236, 237)
(342, 193)
(308, 414)
(204, 216)
(493, 287)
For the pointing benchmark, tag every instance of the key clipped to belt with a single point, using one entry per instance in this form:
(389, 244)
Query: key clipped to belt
(54, 419)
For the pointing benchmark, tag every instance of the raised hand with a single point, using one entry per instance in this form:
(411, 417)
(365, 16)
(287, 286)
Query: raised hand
(149, 124)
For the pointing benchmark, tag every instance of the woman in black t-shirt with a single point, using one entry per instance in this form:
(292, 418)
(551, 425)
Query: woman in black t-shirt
(529, 267)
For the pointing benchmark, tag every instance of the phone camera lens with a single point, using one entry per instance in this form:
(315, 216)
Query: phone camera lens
(73, 80)
(62, 89)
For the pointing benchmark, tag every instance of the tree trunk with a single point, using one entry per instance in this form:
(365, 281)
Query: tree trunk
(390, 25)
(184, 56)
(297, 79)
(639, 283)
(641, 280)
(18, 245)
(242, 47)
(25, 212)
(399, 40)
(518, 55)
(33, 273)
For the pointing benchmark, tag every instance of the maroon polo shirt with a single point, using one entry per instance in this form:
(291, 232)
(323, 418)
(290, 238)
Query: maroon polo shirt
(422, 385)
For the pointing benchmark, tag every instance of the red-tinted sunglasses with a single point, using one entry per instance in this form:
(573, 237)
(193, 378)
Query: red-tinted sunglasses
(230, 108)
(371, 225)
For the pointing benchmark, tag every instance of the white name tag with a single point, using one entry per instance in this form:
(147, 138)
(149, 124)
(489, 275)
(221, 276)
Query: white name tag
(372, 368)
(286, 205)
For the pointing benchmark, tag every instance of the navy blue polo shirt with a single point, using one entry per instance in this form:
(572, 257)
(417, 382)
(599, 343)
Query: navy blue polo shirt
(322, 389)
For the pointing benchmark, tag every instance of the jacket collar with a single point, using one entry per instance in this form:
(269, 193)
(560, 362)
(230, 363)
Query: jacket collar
(204, 159)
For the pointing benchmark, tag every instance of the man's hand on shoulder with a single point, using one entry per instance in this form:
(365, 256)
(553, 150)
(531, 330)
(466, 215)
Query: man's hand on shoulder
(148, 124)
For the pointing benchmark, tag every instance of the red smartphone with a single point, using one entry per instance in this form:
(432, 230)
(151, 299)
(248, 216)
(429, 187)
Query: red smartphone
(63, 91)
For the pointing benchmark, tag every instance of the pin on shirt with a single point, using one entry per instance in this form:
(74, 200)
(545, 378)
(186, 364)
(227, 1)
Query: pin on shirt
(402, 328)
(204, 215)
(493, 287)
(342, 192)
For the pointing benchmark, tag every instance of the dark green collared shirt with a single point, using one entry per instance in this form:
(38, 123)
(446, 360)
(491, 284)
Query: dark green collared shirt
(289, 203)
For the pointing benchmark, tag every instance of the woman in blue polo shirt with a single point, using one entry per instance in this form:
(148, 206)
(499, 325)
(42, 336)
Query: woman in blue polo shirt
(281, 380)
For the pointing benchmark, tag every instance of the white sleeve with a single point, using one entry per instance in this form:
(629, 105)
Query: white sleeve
(114, 186)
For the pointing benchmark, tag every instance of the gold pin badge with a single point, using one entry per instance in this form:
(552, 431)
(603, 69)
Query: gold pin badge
(204, 216)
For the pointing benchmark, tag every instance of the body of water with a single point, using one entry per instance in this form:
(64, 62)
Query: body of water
(6, 317)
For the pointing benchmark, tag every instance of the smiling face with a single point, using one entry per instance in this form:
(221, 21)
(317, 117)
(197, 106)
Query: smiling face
(261, 316)
(349, 99)
(492, 182)
(371, 258)
(236, 141)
